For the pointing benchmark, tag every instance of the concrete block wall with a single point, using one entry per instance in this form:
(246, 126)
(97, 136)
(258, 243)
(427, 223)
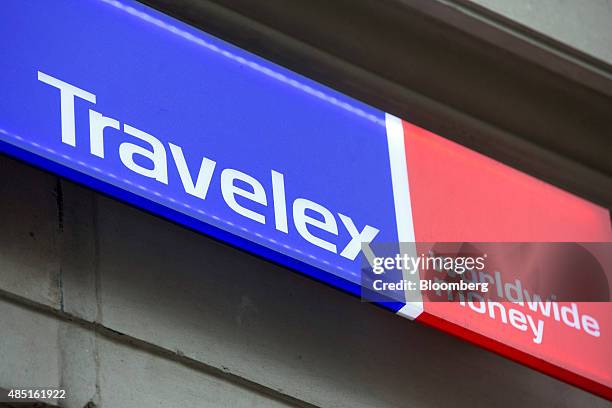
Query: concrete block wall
(123, 309)
(583, 25)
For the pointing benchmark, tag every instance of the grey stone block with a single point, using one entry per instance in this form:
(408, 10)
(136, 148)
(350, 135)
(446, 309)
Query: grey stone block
(28, 348)
(131, 377)
(29, 224)
(78, 356)
(79, 255)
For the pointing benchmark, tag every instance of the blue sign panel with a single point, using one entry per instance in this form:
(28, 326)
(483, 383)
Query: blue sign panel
(135, 104)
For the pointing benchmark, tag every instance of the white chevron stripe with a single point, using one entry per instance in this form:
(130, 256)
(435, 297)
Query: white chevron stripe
(403, 208)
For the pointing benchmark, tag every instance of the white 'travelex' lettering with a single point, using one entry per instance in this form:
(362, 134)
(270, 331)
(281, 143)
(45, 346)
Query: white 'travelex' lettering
(230, 191)
(310, 219)
(280, 203)
(67, 94)
(158, 155)
(97, 124)
(301, 220)
(200, 188)
(352, 249)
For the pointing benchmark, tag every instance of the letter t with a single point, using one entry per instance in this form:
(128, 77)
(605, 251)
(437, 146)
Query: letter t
(67, 94)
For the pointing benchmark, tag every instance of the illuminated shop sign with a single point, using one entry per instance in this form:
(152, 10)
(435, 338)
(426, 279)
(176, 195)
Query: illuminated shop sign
(156, 113)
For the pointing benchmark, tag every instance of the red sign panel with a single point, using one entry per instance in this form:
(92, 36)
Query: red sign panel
(458, 195)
